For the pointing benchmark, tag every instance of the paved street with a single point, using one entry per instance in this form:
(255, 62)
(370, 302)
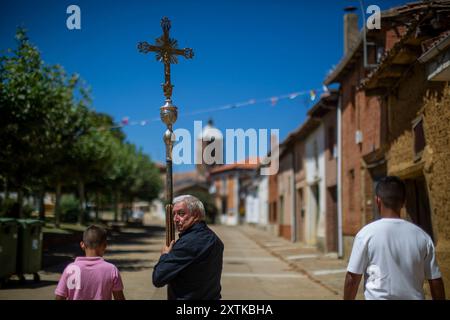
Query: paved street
(256, 266)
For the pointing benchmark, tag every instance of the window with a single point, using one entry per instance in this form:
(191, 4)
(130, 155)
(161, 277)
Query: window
(380, 52)
(351, 187)
(419, 138)
(224, 205)
(274, 212)
(224, 186)
(300, 202)
(281, 210)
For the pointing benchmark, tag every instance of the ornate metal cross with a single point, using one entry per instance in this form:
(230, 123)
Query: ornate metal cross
(167, 52)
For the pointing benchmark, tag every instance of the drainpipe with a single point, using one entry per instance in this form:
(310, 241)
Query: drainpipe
(339, 177)
(294, 200)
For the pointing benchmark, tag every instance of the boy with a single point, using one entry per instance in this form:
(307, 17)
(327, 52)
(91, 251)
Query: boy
(91, 277)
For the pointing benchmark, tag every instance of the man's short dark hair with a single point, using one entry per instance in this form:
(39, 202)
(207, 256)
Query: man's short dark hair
(94, 236)
(392, 192)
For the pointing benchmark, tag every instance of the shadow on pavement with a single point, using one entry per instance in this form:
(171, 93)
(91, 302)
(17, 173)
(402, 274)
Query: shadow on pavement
(57, 257)
(28, 284)
(111, 252)
(132, 264)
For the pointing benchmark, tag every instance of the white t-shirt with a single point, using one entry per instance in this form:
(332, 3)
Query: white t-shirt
(396, 257)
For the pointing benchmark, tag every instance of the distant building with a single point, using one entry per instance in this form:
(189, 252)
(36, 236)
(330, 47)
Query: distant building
(157, 206)
(325, 111)
(273, 204)
(189, 182)
(229, 185)
(292, 188)
(256, 201)
(209, 142)
(196, 181)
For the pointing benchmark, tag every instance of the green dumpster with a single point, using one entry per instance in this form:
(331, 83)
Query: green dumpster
(29, 249)
(8, 248)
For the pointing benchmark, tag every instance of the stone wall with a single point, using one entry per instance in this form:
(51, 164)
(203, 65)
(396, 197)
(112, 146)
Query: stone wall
(417, 97)
(403, 107)
(437, 171)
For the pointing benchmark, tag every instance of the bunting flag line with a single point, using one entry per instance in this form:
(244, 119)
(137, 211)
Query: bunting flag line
(274, 100)
(125, 120)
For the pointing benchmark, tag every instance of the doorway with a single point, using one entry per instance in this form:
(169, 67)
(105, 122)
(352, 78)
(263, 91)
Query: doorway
(313, 219)
(418, 204)
(331, 221)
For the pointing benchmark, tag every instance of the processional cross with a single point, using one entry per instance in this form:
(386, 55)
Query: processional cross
(167, 52)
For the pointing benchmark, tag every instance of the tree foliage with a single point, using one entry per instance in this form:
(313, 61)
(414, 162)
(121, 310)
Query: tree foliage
(50, 136)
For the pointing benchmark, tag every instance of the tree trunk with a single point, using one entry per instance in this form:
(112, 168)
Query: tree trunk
(130, 207)
(116, 205)
(57, 211)
(97, 206)
(127, 211)
(6, 189)
(82, 202)
(20, 202)
(41, 197)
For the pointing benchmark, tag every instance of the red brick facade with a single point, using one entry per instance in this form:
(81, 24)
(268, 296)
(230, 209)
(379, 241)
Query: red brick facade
(330, 125)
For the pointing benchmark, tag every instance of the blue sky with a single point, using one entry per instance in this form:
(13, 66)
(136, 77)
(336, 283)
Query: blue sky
(243, 50)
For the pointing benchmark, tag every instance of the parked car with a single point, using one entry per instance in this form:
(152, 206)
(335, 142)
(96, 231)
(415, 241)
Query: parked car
(137, 216)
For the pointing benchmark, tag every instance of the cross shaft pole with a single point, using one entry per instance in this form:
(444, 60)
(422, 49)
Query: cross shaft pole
(167, 52)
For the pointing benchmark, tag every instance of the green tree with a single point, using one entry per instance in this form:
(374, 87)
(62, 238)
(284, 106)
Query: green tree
(50, 138)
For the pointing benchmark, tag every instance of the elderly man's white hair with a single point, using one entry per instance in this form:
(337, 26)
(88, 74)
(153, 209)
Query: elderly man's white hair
(194, 205)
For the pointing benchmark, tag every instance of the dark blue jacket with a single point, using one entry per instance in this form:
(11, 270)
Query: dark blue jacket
(193, 267)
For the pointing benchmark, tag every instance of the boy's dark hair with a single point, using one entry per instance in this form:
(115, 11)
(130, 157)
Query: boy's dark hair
(392, 192)
(94, 236)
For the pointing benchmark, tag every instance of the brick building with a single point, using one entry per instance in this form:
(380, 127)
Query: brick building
(293, 189)
(325, 112)
(285, 192)
(362, 122)
(273, 204)
(412, 83)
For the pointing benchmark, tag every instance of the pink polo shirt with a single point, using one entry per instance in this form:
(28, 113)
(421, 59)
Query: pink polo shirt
(89, 278)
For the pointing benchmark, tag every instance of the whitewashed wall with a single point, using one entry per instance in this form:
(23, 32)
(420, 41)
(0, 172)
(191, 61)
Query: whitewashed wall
(263, 201)
(315, 225)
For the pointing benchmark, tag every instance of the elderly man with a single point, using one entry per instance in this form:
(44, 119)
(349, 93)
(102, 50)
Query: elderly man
(192, 265)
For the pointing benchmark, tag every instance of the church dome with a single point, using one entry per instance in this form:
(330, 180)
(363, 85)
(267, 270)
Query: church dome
(209, 132)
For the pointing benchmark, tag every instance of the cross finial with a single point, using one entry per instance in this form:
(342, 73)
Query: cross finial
(167, 51)
(165, 25)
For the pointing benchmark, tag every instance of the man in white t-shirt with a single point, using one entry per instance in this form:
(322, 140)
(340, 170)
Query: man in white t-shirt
(395, 255)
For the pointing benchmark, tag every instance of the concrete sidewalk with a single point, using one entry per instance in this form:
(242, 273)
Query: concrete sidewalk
(324, 269)
(327, 270)
(253, 272)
